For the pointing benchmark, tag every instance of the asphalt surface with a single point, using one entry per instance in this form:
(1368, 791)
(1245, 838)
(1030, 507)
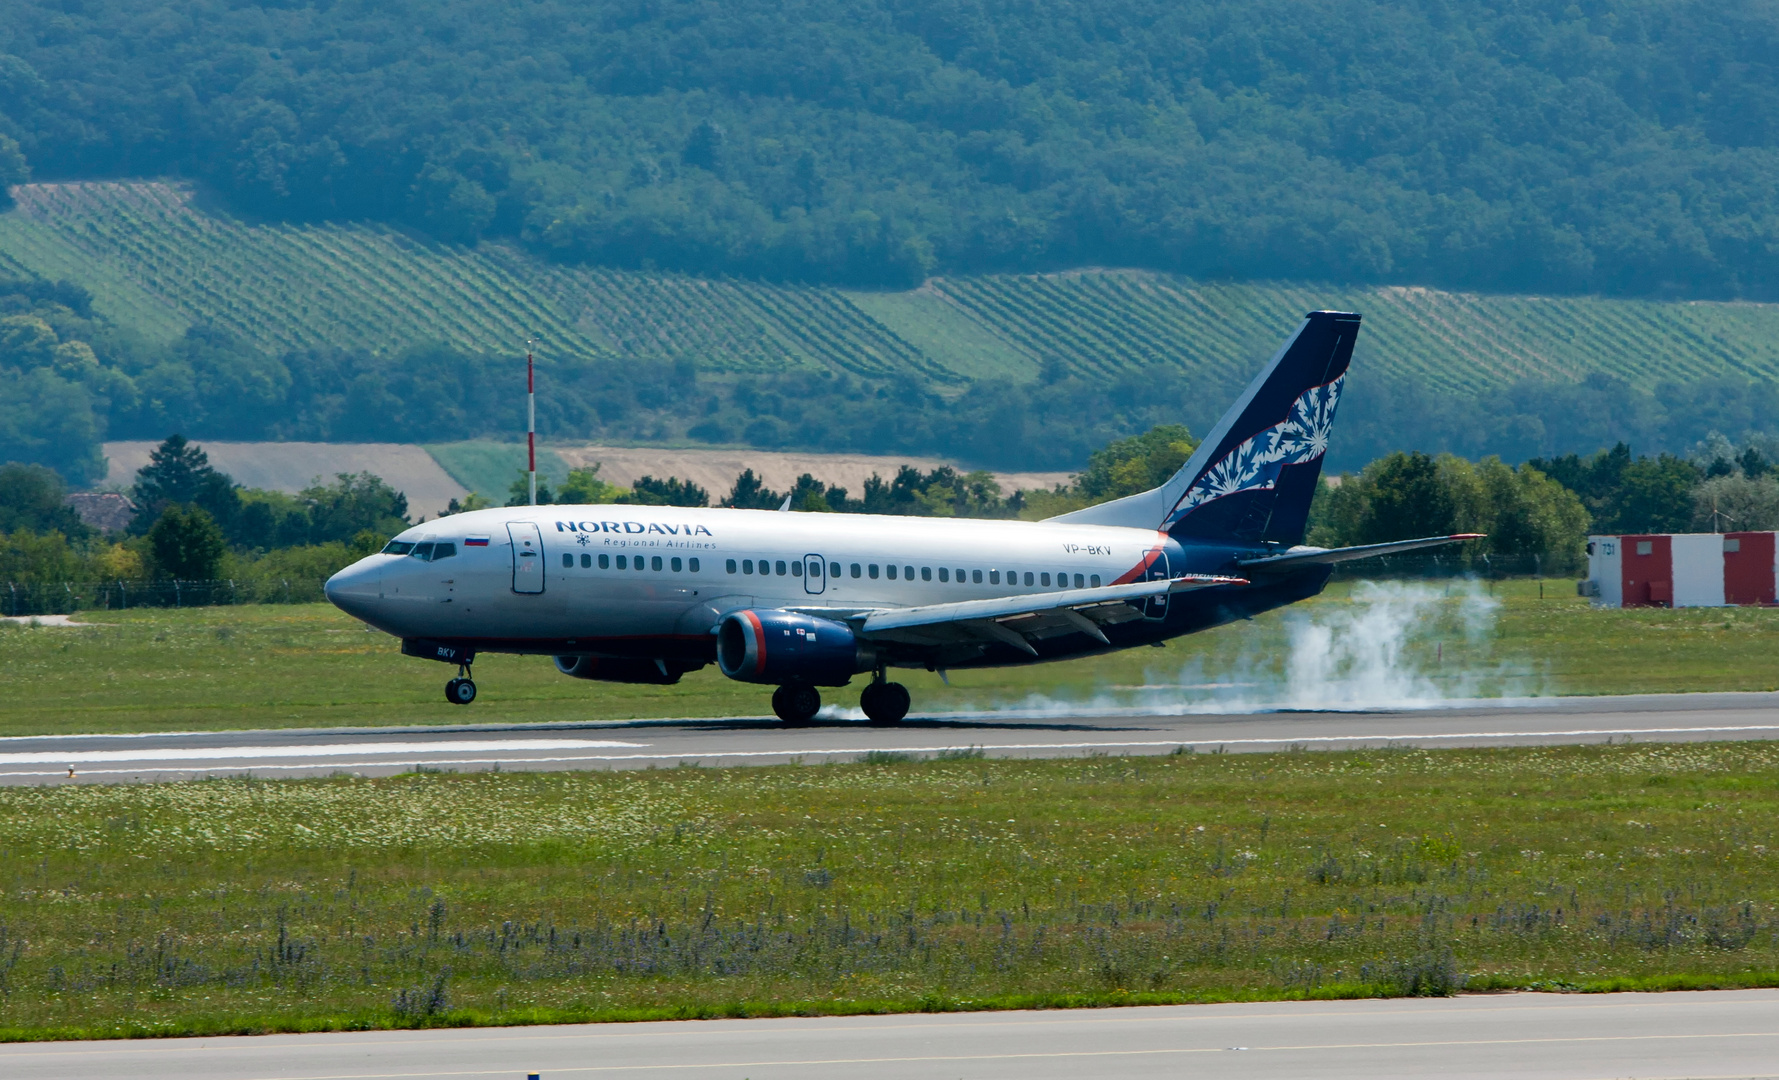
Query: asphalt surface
(647, 743)
(1716, 1034)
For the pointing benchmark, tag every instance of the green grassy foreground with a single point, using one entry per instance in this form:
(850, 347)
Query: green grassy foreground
(302, 666)
(239, 905)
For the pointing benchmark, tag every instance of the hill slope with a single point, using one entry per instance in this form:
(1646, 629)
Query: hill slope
(156, 263)
(1629, 147)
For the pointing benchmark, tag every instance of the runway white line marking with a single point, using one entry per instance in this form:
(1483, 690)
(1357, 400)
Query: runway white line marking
(223, 755)
(248, 753)
(1046, 1055)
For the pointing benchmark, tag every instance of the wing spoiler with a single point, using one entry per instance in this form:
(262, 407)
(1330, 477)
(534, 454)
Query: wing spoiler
(967, 611)
(1301, 556)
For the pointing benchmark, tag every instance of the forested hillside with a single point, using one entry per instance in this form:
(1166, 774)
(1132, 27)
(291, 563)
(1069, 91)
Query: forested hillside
(1628, 147)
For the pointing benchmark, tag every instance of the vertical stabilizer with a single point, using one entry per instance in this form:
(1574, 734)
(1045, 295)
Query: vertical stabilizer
(1252, 478)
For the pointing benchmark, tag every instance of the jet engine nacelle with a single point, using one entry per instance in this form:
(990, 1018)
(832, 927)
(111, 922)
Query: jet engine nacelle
(779, 647)
(624, 669)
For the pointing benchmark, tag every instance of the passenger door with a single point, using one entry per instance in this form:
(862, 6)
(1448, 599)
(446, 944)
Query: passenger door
(815, 574)
(528, 557)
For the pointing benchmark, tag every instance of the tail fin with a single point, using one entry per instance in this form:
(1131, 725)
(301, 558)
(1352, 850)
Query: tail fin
(1252, 478)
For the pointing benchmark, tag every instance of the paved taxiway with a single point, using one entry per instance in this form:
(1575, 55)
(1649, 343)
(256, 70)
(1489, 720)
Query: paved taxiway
(1528, 1036)
(646, 743)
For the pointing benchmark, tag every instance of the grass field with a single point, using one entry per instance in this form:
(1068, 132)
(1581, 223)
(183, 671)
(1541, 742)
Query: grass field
(235, 905)
(156, 262)
(302, 666)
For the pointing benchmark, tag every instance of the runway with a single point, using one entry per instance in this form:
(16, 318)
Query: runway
(757, 741)
(1717, 1034)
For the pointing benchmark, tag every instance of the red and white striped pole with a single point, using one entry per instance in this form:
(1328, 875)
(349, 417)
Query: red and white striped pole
(531, 426)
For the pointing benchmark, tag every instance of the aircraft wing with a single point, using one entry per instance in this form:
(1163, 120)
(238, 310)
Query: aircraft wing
(1299, 557)
(1014, 620)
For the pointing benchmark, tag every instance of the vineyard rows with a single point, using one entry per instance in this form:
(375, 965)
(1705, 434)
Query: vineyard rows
(157, 264)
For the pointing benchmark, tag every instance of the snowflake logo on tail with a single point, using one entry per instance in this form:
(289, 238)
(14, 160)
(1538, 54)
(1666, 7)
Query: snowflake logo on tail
(1255, 465)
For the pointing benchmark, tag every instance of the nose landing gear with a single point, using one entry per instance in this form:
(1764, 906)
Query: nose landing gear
(461, 690)
(884, 702)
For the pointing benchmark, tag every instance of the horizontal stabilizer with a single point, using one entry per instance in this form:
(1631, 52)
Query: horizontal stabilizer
(1301, 556)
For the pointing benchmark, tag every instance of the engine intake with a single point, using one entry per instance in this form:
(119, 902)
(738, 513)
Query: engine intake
(624, 669)
(780, 647)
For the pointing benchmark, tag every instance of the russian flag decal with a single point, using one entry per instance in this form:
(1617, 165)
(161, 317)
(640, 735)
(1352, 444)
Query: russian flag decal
(475, 541)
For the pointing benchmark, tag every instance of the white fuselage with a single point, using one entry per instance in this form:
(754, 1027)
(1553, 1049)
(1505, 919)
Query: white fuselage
(598, 574)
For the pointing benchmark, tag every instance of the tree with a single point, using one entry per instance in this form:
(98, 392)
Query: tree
(178, 471)
(185, 544)
(31, 498)
(519, 491)
(1655, 495)
(1136, 464)
(1736, 503)
(354, 503)
(585, 488)
(749, 493)
(673, 491)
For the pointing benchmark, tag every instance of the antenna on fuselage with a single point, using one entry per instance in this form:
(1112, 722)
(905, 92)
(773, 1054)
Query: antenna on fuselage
(530, 424)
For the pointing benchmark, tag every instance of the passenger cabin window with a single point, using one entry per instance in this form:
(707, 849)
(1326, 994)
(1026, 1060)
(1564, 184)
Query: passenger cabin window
(833, 569)
(926, 573)
(908, 572)
(1028, 578)
(960, 577)
(857, 570)
(729, 565)
(994, 577)
(605, 562)
(398, 547)
(623, 562)
(586, 561)
(567, 559)
(975, 577)
(891, 571)
(944, 574)
(676, 566)
(871, 571)
(1045, 581)
(747, 566)
(1079, 584)
(654, 563)
(780, 568)
(1094, 581)
(693, 565)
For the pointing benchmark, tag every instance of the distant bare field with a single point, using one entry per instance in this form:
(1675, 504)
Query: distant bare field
(429, 486)
(292, 466)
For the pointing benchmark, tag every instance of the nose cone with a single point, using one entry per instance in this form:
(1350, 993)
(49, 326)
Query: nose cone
(357, 589)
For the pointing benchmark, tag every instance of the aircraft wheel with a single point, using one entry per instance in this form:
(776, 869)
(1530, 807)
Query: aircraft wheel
(460, 691)
(796, 704)
(885, 703)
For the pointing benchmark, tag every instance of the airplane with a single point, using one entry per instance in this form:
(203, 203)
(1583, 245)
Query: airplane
(802, 601)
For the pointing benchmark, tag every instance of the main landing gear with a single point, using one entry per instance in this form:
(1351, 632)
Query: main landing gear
(461, 690)
(796, 704)
(884, 702)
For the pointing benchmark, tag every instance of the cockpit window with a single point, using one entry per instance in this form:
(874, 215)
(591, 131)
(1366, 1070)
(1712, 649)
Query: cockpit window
(398, 547)
(423, 552)
(443, 551)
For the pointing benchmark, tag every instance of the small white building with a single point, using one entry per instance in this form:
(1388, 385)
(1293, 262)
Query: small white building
(1682, 570)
